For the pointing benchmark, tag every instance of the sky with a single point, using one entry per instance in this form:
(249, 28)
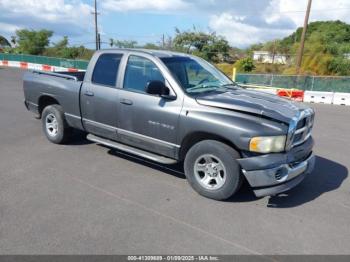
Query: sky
(241, 22)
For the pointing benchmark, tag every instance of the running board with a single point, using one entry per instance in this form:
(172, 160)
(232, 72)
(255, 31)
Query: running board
(131, 150)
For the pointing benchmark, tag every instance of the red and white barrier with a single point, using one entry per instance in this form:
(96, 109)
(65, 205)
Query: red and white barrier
(309, 96)
(318, 97)
(34, 66)
(342, 99)
(296, 95)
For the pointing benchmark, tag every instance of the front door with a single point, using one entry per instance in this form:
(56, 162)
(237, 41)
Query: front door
(99, 97)
(146, 121)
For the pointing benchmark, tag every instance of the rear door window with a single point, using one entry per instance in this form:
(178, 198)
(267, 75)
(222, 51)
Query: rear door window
(106, 70)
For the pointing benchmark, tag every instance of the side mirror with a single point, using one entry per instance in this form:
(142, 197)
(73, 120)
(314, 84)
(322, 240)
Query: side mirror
(157, 87)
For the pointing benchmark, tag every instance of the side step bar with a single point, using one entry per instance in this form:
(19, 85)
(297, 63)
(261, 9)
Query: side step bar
(131, 150)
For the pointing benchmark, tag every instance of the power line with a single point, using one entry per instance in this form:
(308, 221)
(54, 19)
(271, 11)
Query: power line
(131, 36)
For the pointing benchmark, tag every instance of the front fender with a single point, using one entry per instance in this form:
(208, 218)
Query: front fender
(236, 127)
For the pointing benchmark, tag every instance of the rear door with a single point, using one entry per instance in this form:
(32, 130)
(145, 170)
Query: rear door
(147, 121)
(99, 96)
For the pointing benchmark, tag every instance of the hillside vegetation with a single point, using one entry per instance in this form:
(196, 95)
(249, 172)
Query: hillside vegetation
(327, 49)
(326, 46)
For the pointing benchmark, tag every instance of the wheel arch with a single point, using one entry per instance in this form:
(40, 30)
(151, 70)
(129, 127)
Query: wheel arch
(44, 101)
(196, 137)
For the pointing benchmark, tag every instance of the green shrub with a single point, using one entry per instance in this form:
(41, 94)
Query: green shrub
(245, 65)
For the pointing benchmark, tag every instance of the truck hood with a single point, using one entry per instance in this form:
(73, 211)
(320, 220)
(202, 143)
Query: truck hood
(253, 102)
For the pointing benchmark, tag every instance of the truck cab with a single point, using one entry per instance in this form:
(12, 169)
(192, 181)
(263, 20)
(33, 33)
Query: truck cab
(116, 101)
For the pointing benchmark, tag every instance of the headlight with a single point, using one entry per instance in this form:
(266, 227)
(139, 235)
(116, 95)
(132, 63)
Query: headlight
(267, 144)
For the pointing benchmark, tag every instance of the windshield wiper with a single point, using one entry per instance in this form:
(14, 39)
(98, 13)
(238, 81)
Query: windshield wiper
(202, 87)
(231, 86)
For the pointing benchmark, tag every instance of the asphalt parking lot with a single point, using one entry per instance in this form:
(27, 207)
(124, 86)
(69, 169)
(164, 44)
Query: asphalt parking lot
(84, 198)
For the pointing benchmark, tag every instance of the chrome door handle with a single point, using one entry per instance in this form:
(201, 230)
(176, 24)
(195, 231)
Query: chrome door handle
(89, 93)
(126, 101)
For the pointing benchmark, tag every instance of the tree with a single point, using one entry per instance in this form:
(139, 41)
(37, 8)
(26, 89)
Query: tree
(217, 50)
(62, 43)
(32, 42)
(189, 40)
(167, 43)
(63, 50)
(151, 46)
(254, 47)
(124, 43)
(206, 45)
(58, 49)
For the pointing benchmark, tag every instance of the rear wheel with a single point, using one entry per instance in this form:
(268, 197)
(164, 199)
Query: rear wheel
(54, 124)
(212, 170)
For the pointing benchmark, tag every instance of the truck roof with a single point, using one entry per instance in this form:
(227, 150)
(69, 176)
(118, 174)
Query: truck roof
(157, 53)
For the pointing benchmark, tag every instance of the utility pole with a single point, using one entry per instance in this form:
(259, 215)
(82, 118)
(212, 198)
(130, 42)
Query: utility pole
(302, 41)
(274, 51)
(96, 27)
(163, 41)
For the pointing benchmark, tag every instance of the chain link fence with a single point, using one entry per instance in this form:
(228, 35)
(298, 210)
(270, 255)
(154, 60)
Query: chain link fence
(53, 61)
(311, 83)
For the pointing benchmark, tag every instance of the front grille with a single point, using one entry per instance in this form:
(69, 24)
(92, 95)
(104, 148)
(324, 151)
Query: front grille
(278, 175)
(297, 162)
(301, 123)
(298, 137)
(303, 128)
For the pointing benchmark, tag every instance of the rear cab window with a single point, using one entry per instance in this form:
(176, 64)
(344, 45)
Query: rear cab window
(106, 70)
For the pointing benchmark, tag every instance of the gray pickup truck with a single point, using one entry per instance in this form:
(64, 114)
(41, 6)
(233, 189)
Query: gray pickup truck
(171, 107)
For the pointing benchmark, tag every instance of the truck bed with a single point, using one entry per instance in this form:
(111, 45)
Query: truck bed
(64, 87)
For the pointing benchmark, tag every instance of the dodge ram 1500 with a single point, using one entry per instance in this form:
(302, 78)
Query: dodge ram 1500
(171, 107)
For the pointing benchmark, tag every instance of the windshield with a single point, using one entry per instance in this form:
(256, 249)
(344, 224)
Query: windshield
(196, 75)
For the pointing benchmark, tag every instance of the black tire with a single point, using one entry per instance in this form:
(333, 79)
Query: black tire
(224, 154)
(63, 130)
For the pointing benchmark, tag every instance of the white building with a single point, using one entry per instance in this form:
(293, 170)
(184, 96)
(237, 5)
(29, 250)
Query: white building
(267, 58)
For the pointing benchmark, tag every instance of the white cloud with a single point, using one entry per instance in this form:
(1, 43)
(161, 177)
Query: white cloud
(8, 28)
(64, 17)
(321, 10)
(241, 22)
(277, 19)
(241, 34)
(144, 5)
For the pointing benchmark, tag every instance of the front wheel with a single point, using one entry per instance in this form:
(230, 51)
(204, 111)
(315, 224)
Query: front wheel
(54, 124)
(212, 170)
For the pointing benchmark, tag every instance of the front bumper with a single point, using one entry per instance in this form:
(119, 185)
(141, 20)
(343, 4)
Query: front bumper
(275, 173)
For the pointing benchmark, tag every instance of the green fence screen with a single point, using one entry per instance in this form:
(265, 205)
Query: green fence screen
(311, 83)
(53, 61)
